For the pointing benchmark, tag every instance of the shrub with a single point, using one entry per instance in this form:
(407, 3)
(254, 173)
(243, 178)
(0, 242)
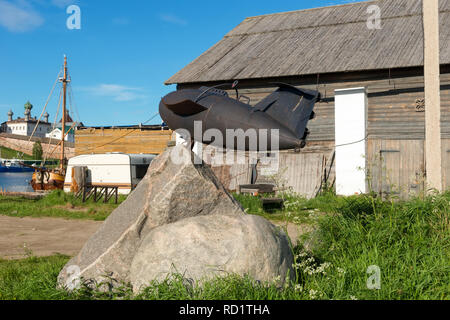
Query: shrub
(37, 151)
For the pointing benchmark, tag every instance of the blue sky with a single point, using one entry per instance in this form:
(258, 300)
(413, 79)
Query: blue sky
(120, 57)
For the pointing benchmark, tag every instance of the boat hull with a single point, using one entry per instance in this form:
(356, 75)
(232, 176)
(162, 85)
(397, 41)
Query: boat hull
(47, 181)
(15, 169)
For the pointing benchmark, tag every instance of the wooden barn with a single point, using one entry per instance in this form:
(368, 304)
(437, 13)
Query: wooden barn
(330, 49)
(147, 139)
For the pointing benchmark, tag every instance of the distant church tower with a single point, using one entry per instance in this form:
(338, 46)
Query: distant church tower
(28, 106)
(10, 115)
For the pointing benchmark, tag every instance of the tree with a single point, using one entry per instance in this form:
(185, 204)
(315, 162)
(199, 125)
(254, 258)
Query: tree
(37, 151)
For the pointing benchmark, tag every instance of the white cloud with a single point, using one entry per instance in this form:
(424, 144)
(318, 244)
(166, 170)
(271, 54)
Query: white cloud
(170, 18)
(19, 16)
(116, 92)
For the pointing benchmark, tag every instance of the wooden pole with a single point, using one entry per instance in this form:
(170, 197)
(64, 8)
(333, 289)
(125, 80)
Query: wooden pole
(63, 121)
(433, 149)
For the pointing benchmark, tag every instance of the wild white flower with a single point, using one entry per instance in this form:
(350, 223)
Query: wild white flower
(313, 294)
(276, 280)
(353, 298)
(303, 254)
(298, 288)
(297, 220)
(340, 270)
(323, 267)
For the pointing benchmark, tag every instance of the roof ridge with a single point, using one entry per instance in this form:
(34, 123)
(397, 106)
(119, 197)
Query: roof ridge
(318, 44)
(312, 9)
(324, 25)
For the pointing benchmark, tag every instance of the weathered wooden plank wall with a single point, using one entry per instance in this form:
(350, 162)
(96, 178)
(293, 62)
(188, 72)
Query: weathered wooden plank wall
(92, 140)
(392, 113)
(231, 175)
(446, 163)
(396, 167)
(394, 124)
(302, 173)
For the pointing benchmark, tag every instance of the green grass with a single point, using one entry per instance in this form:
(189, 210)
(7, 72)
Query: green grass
(6, 153)
(31, 279)
(408, 240)
(35, 279)
(296, 209)
(57, 205)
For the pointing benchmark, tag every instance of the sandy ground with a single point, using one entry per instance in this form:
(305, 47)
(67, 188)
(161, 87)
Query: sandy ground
(43, 236)
(48, 236)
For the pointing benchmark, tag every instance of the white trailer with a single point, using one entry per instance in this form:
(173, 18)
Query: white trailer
(111, 169)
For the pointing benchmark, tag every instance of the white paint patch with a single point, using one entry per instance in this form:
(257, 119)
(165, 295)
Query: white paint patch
(351, 126)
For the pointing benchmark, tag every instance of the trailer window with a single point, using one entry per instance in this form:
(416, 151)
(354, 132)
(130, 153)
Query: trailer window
(141, 170)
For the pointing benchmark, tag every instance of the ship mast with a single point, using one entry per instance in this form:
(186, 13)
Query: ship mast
(64, 81)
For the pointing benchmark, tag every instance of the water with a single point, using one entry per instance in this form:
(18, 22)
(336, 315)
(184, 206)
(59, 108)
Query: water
(16, 182)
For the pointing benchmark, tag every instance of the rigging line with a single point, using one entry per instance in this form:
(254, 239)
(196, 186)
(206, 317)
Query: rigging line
(126, 134)
(45, 107)
(72, 103)
(72, 100)
(65, 134)
(53, 127)
(69, 92)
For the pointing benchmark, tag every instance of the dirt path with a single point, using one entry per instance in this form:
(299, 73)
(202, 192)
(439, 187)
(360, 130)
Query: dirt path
(48, 236)
(43, 236)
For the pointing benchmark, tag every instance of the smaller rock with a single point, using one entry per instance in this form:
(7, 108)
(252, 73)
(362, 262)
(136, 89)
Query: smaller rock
(204, 247)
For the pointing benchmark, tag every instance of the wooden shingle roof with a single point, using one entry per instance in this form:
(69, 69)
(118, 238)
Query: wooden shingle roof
(321, 40)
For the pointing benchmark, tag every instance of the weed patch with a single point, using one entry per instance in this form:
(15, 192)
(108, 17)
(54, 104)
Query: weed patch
(57, 204)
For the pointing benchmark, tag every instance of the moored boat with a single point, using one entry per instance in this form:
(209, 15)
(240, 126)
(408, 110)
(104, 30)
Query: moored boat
(53, 179)
(13, 165)
(47, 180)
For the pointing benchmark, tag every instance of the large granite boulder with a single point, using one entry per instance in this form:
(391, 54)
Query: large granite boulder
(171, 192)
(216, 245)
